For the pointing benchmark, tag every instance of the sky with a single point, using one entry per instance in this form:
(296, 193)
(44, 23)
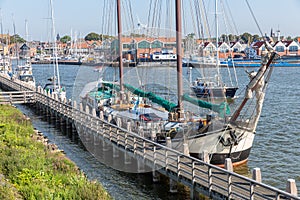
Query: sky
(82, 17)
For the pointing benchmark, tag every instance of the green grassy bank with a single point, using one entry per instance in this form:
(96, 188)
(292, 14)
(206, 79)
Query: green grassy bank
(28, 170)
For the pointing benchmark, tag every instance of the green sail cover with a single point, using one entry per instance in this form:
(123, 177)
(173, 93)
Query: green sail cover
(169, 106)
(223, 108)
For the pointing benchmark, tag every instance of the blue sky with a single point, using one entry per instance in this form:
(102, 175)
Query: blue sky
(83, 17)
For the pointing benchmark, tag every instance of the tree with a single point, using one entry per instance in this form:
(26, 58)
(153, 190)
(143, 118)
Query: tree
(289, 38)
(92, 36)
(65, 39)
(255, 38)
(246, 37)
(16, 38)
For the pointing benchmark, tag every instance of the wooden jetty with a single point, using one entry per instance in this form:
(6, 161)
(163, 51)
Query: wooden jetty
(200, 176)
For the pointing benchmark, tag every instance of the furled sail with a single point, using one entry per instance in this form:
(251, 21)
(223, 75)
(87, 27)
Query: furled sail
(222, 108)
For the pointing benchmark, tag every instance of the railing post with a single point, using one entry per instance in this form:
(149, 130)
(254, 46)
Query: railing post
(128, 127)
(256, 175)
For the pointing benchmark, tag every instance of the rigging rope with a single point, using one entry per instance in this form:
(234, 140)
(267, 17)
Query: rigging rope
(251, 11)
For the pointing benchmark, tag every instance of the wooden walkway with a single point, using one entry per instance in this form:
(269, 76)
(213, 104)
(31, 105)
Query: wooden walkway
(200, 177)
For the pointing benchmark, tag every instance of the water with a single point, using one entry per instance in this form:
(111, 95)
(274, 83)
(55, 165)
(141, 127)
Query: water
(276, 148)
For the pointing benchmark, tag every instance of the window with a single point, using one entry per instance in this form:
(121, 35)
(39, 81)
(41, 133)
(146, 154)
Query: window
(223, 50)
(280, 49)
(144, 45)
(156, 44)
(169, 45)
(293, 48)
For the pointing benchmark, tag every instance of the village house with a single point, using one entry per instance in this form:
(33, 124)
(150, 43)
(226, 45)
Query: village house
(292, 48)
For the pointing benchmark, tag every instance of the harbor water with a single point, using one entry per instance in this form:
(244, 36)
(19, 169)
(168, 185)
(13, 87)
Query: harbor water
(276, 148)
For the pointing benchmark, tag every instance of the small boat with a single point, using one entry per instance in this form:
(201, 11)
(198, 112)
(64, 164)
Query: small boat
(163, 56)
(24, 73)
(207, 88)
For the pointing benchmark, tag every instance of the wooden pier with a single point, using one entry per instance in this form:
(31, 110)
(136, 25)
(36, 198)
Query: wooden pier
(200, 176)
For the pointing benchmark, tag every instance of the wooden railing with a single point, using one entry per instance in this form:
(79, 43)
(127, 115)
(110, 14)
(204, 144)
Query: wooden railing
(17, 97)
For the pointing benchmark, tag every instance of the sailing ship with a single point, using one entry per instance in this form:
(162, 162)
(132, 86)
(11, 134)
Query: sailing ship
(218, 132)
(54, 86)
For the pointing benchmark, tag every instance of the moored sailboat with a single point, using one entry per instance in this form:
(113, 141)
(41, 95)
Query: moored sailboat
(217, 131)
(54, 86)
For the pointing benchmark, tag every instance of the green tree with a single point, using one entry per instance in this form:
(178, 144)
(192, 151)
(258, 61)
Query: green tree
(16, 38)
(246, 37)
(92, 36)
(289, 38)
(65, 39)
(255, 37)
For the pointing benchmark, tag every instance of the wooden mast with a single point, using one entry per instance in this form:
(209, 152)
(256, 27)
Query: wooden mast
(179, 58)
(120, 46)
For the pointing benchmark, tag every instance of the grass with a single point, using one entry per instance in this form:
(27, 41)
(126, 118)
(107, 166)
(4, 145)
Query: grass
(30, 171)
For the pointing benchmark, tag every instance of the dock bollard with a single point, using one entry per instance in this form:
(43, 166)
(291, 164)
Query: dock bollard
(74, 104)
(109, 118)
(87, 109)
(101, 115)
(128, 127)
(81, 107)
(228, 165)
(94, 112)
(168, 142)
(256, 174)
(119, 122)
(153, 135)
(186, 150)
(291, 187)
(205, 156)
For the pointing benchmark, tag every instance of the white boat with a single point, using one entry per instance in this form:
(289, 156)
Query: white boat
(24, 73)
(164, 55)
(217, 131)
